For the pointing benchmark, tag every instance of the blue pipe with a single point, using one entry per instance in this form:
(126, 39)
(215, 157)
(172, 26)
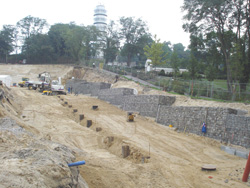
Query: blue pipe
(76, 163)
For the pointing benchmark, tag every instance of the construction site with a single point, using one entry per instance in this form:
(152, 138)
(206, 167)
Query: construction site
(128, 135)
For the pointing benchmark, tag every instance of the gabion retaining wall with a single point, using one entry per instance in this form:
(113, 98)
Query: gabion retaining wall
(222, 123)
(115, 96)
(84, 87)
(146, 105)
(225, 124)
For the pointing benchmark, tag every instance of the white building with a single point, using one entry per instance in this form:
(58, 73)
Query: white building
(149, 67)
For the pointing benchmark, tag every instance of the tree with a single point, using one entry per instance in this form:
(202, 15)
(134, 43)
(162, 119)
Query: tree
(143, 41)
(3, 48)
(131, 31)
(57, 34)
(92, 41)
(111, 48)
(213, 57)
(175, 63)
(155, 52)
(31, 26)
(182, 55)
(40, 49)
(74, 42)
(167, 48)
(195, 56)
(240, 19)
(193, 66)
(6, 41)
(206, 16)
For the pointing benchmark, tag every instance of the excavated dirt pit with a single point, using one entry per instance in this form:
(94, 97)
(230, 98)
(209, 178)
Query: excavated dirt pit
(175, 158)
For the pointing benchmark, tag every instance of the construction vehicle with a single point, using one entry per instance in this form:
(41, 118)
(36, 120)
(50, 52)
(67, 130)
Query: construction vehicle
(56, 87)
(130, 116)
(47, 92)
(43, 82)
(46, 85)
(23, 82)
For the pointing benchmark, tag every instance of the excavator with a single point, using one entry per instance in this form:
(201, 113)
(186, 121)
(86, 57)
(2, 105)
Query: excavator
(46, 85)
(55, 88)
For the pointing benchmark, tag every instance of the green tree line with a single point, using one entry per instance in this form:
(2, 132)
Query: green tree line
(34, 40)
(220, 39)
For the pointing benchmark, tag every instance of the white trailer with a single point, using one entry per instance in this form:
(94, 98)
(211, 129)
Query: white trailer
(6, 79)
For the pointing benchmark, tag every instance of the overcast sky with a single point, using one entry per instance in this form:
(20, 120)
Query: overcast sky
(163, 17)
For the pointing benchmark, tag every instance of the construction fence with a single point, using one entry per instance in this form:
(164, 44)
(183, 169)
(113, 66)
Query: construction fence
(194, 88)
(204, 89)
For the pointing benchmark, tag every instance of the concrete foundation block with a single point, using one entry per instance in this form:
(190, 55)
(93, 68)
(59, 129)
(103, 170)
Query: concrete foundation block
(81, 117)
(89, 123)
(229, 150)
(98, 129)
(125, 151)
(223, 148)
(242, 154)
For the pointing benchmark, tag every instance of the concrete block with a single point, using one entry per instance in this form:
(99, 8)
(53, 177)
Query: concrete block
(89, 123)
(98, 129)
(81, 117)
(241, 112)
(229, 150)
(242, 154)
(125, 151)
(223, 148)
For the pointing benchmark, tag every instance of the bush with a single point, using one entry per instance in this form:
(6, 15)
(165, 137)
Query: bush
(169, 74)
(162, 73)
(178, 87)
(185, 75)
(221, 94)
(134, 73)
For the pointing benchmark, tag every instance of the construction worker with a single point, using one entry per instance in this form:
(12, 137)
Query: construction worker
(204, 128)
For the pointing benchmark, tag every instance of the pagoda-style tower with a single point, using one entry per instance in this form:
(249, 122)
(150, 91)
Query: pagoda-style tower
(100, 17)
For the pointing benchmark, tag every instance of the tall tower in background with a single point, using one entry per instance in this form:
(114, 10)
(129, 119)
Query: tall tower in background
(100, 17)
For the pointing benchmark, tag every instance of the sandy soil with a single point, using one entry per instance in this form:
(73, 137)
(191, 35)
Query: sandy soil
(175, 158)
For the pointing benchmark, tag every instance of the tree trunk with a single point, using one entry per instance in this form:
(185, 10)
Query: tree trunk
(229, 76)
(246, 67)
(226, 54)
(128, 60)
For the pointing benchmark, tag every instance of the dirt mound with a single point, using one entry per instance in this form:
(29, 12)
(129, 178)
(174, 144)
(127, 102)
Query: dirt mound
(27, 160)
(30, 162)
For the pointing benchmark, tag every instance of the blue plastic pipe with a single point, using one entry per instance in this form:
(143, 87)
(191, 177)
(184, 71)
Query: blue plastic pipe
(76, 163)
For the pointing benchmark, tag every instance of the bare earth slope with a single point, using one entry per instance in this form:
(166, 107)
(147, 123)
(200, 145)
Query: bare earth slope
(175, 158)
